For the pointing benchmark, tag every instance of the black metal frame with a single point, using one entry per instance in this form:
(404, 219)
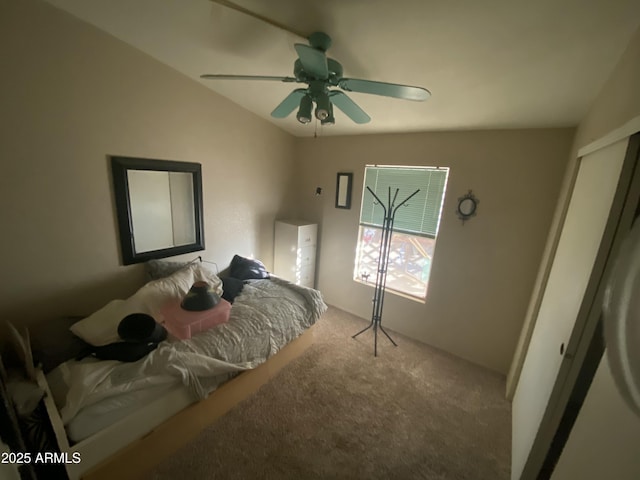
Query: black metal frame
(119, 168)
(349, 177)
(383, 262)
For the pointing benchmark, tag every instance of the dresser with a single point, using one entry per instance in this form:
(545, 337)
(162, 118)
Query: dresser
(294, 257)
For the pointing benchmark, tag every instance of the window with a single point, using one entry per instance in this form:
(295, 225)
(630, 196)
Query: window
(415, 225)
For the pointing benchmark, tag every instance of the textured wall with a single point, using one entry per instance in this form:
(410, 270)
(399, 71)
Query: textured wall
(71, 96)
(482, 272)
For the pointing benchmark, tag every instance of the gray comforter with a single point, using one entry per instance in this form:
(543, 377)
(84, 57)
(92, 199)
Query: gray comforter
(266, 316)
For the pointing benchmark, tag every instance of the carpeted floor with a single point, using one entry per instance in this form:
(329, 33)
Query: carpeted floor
(337, 412)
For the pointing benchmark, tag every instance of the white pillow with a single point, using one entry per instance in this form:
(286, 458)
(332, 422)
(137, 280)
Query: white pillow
(101, 328)
(155, 294)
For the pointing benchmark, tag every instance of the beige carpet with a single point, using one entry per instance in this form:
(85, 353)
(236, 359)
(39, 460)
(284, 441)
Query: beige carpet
(337, 412)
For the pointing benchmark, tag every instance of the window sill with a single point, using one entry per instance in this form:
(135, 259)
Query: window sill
(394, 292)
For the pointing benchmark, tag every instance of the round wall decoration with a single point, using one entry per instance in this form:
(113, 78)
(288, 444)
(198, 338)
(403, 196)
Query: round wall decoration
(467, 206)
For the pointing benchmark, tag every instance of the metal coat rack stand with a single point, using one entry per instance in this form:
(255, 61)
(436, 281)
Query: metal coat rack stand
(383, 262)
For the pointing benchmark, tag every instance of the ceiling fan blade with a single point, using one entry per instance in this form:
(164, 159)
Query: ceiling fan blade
(210, 76)
(238, 8)
(289, 104)
(313, 61)
(348, 107)
(405, 92)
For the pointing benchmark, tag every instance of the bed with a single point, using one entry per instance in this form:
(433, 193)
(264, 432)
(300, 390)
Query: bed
(117, 419)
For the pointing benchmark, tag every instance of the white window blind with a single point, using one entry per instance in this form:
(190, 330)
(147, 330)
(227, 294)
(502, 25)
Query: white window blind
(421, 214)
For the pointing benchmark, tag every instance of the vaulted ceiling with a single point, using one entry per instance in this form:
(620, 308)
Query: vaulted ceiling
(487, 63)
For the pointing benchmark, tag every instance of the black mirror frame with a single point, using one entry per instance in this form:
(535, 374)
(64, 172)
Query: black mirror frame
(119, 168)
(347, 192)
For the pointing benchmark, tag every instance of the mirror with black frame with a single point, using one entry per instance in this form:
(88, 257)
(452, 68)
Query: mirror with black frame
(159, 207)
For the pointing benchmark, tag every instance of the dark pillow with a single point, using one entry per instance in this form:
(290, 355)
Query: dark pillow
(231, 288)
(53, 343)
(247, 269)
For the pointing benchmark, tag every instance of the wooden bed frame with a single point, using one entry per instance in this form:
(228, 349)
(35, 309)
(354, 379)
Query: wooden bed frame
(139, 456)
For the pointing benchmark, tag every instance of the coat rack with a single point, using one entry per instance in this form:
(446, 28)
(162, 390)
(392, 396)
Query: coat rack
(383, 263)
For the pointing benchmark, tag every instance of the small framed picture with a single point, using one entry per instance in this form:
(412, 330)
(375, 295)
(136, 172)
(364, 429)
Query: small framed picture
(343, 190)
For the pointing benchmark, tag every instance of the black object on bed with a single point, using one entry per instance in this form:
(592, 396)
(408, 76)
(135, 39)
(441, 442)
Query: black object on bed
(247, 268)
(124, 351)
(141, 328)
(231, 288)
(140, 334)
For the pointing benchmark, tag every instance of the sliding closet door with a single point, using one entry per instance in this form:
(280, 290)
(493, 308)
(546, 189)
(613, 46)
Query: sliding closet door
(561, 309)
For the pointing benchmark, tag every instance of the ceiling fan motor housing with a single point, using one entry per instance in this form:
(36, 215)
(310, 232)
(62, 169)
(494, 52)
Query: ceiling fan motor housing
(333, 66)
(320, 41)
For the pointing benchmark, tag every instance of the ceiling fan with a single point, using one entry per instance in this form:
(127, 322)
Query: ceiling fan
(326, 86)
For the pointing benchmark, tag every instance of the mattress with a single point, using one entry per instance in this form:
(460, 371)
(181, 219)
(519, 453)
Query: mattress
(111, 410)
(168, 399)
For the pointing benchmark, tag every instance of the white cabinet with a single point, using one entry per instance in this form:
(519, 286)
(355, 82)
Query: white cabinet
(294, 256)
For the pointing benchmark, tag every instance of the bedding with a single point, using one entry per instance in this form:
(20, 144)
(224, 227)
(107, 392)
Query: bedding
(100, 415)
(266, 315)
(101, 328)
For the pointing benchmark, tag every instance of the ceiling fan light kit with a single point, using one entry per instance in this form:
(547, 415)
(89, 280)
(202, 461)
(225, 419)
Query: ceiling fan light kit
(325, 85)
(304, 113)
(323, 104)
(330, 120)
